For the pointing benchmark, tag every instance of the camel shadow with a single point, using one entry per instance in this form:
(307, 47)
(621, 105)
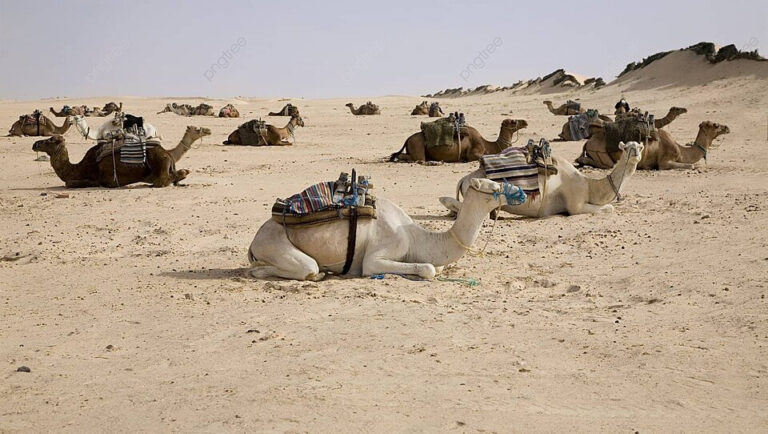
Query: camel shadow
(209, 273)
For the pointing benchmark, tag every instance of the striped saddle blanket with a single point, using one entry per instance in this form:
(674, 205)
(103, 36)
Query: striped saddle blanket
(36, 118)
(512, 166)
(131, 149)
(315, 206)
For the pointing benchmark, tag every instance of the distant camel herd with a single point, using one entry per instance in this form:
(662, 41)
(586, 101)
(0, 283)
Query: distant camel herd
(527, 181)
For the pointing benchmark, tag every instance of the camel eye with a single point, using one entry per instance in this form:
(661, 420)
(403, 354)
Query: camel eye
(716, 125)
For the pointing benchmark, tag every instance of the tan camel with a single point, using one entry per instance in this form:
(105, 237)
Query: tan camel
(159, 169)
(201, 109)
(673, 114)
(273, 136)
(421, 109)
(472, 146)
(81, 110)
(390, 243)
(565, 109)
(37, 124)
(368, 108)
(567, 191)
(663, 153)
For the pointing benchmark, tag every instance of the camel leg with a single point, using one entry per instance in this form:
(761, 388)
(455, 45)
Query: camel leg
(666, 165)
(271, 246)
(588, 208)
(375, 264)
(161, 175)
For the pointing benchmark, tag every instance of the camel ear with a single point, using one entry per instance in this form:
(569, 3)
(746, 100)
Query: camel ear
(451, 203)
(622, 146)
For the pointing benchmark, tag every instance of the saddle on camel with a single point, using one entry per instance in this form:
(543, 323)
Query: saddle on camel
(347, 198)
(521, 166)
(35, 118)
(630, 126)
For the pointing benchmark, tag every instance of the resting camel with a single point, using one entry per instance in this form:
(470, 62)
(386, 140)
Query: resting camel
(663, 153)
(229, 111)
(159, 171)
(365, 109)
(109, 126)
(390, 243)
(274, 136)
(472, 146)
(201, 109)
(567, 191)
(673, 114)
(37, 124)
(76, 110)
(564, 110)
(287, 110)
(421, 109)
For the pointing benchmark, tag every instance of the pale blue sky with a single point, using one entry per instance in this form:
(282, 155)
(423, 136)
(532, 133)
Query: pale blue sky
(340, 48)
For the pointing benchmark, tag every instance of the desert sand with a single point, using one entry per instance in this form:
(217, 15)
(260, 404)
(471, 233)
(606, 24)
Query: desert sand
(134, 311)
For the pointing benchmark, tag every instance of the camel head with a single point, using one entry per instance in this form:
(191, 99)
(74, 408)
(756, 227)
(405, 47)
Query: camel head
(193, 133)
(712, 129)
(299, 120)
(633, 151)
(677, 111)
(491, 195)
(50, 146)
(514, 124)
(80, 124)
(349, 104)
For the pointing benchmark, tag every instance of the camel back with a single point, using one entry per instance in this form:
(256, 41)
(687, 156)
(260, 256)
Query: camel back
(35, 118)
(441, 132)
(128, 148)
(579, 124)
(370, 107)
(573, 105)
(512, 165)
(435, 110)
(633, 126)
(253, 132)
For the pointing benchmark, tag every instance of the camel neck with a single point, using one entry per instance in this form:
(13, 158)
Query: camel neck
(606, 190)
(184, 145)
(65, 170)
(440, 248)
(698, 150)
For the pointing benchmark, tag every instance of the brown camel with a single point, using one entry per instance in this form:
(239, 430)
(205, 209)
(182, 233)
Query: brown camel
(270, 136)
(421, 109)
(81, 110)
(663, 153)
(37, 124)
(673, 114)
(159, 169)
(567, 109)
(287, 110)
(229, 111)
(368, 108)
(472, 146)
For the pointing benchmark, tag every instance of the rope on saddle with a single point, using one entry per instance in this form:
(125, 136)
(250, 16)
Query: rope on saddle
(351, 240)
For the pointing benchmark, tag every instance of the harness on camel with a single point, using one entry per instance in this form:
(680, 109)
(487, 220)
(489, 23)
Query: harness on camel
(253, 133)
(344, 199)
(632, 126)
(128, 144)
(32, 119)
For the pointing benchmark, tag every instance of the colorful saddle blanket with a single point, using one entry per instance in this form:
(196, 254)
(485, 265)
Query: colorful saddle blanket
(512, 166)
(315, 205)
(130, 149)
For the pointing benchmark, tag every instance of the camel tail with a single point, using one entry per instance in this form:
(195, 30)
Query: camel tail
(394, 156)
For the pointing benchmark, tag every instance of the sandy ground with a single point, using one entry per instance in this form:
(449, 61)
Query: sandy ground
(133, 311)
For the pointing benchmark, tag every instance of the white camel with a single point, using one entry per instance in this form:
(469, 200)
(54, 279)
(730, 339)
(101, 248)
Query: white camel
(567, 191)
(106, 127)
(391, 243)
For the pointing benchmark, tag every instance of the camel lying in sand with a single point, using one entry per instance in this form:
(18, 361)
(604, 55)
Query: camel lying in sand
(159, 169)
(425, 108)
(110, 127)
(472, 146)
(567, 191)
(390, 243)
(368, 108)
(660, 154)
(673, 114)
(202, 109)
(287, 110)
(81, 110)
(565, 109)
(272, 136)
(37, 124)
(229, 111)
